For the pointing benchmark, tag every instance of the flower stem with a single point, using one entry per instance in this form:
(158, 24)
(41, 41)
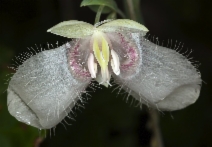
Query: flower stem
(131, 9)
(156, 140)
(98, 14)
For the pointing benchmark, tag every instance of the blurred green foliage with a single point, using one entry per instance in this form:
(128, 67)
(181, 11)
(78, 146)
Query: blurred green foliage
(110, 5)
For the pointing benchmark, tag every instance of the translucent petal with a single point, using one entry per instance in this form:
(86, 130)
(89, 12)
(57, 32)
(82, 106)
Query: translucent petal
(125, 53)
(72, 29)
(163, 78)
(180, 97)
(43, 91)
(117, 24)
(78, 55)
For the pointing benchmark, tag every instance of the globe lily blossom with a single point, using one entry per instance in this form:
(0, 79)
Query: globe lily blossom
(48, 85)
(101, 48)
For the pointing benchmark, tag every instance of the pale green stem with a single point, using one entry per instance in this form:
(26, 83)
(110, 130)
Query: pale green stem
(131, 9)
(121, 13)
(98, 14)
(156, 140)
(134, 10)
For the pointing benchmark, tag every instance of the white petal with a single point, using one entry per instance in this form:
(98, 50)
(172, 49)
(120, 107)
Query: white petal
(43, 91)
(180, 97)
(72, 29)
(164, 79)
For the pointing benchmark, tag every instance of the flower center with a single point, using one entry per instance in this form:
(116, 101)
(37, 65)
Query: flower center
(101, 51)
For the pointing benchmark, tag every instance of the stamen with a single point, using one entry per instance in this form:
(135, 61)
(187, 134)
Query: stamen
(92, 66)
(115, 64)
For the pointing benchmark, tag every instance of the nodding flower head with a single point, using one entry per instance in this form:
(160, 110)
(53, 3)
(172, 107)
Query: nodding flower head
(46, 86)
(101, 50)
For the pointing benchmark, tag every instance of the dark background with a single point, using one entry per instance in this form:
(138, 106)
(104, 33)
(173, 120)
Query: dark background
(107, 119)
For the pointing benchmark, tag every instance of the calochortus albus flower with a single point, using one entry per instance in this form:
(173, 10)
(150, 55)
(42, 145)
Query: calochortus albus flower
(46, 86)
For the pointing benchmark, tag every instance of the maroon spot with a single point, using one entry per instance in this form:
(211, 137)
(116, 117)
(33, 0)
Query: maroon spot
(131, 52)
(75, 65)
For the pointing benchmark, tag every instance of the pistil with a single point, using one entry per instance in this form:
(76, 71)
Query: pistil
(101, 52)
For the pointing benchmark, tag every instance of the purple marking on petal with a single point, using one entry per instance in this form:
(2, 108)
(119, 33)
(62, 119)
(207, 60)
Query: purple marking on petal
(75, 64)
(131, 53)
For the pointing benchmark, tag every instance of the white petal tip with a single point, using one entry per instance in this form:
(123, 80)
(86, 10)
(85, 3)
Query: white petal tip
(117, 72)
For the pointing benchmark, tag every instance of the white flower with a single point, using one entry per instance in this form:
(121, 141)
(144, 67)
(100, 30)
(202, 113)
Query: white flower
(47, 86)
